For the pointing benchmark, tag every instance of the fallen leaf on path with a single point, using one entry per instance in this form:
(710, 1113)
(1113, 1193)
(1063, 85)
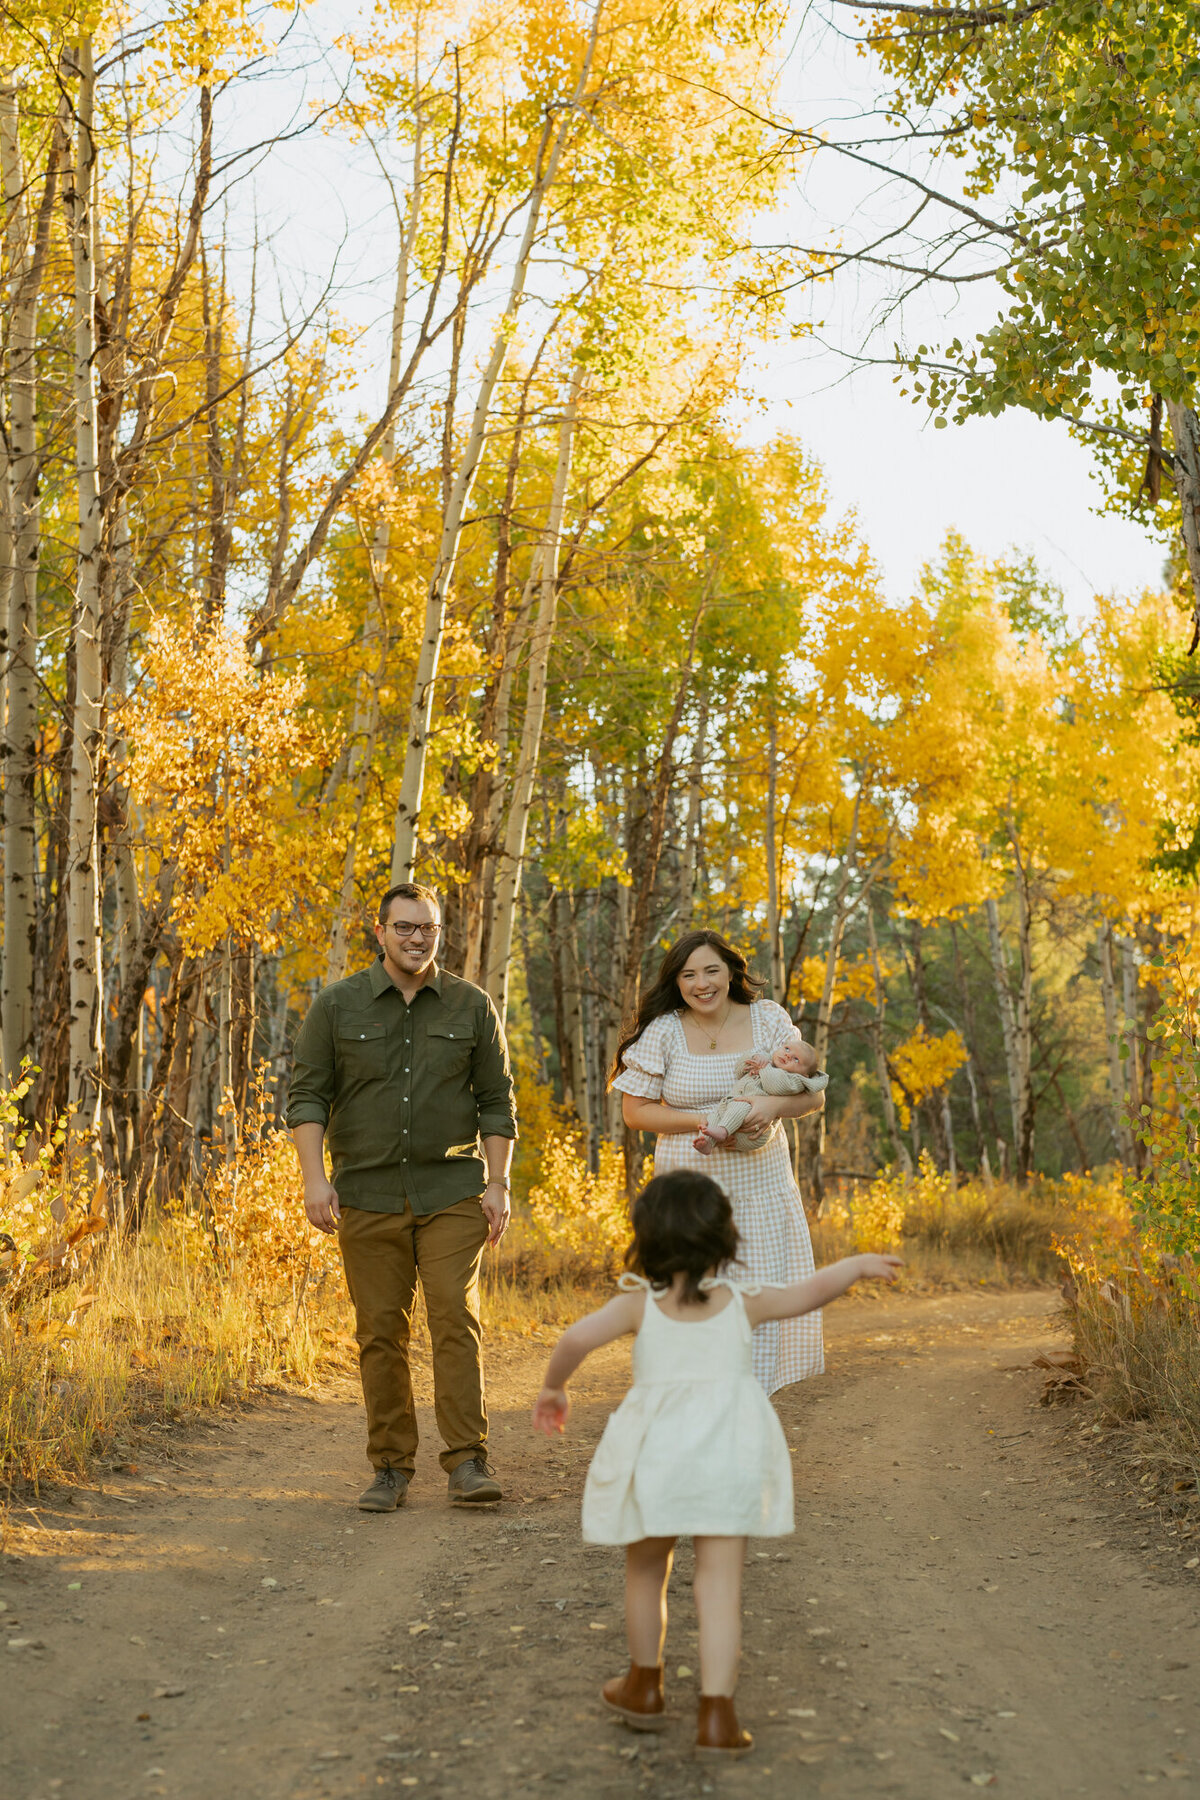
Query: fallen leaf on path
(984, 1780)
(801, 1712)
(884, 1755)
(268, 1581)
(594, 1625)
(169, 1691)
(683, 1673)
(418, 1628)
(138, 1640)
(945, 1731)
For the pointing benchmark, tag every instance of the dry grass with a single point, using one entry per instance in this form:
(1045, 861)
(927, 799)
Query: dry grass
(105, 1333)
(970, 1234)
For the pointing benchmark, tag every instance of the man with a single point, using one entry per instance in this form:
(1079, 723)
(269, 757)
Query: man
(405, 1069)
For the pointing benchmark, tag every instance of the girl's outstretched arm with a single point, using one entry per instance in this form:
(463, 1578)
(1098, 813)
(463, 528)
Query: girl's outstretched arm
(819, 1289)
(619, 1318)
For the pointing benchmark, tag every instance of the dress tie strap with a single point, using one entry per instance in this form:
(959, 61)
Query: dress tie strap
(629, 1283)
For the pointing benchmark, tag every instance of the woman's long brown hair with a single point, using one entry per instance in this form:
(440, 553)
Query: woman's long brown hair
(664, 996)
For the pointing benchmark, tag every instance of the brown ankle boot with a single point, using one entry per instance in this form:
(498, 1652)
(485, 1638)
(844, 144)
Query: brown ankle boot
(637, 1697)
(717, 1730)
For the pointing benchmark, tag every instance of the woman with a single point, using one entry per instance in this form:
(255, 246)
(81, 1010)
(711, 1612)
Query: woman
(693, 1026)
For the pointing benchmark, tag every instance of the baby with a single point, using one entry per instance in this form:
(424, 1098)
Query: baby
(791, 1070)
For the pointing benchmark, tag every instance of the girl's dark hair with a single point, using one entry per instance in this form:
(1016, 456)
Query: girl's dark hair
(682, 1225)
(664, 996)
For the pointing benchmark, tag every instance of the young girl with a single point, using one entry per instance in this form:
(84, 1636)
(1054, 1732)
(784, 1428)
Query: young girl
(695, 1447)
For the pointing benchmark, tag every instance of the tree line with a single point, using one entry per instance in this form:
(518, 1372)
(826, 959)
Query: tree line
(537, 624)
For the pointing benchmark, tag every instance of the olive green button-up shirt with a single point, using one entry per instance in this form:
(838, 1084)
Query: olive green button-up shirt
(405, 1090)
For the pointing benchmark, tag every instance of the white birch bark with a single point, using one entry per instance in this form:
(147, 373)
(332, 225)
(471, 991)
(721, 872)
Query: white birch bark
(23, 518)
(1008, 1023)
(1122, 1137)
(694, 822)
(1185, 472)
(420, 711)
(364, 730)
(842, 909)
(508, 874)
(895, 1137)
(774, 939)
(1132, 1071)
(1024, 1018)
(83, 896)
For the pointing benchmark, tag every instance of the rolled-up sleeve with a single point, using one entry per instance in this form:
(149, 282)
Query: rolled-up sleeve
(491, 1078)
(310, 1094)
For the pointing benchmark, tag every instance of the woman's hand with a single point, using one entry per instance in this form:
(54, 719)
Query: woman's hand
(763, 1112)
(550, 1410)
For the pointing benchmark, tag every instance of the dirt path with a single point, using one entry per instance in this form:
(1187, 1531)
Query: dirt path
(964, 1602)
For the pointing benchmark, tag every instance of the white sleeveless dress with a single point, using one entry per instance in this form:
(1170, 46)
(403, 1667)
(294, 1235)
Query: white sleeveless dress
(776, 1247)
(695, 1448)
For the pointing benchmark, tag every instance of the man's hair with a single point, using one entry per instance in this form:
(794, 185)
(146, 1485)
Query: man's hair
(407, 890)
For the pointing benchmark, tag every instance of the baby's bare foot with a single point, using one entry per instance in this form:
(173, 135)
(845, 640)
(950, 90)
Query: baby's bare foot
(704, 1143)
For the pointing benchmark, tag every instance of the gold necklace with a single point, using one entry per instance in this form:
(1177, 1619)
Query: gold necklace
(712, 1041)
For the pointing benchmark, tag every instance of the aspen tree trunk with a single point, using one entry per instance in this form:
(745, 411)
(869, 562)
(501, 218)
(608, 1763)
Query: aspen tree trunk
(83, 868)
(837, 931)
(365, 724)
(1008, 1023)
(968, 1035)
(774, 939)
(842, 910)
(420, 712)
(900, 1149)
(1185, 472)
(576, 1095)
(1122, 1136)
(1024, 1023)
(1132, 1061)
(508, 876)
(26, 260)
(937, 1107)
(693, 824)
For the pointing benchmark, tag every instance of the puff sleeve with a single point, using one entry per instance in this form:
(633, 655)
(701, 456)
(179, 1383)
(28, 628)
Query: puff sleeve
(775, 1025)
(644, 1063)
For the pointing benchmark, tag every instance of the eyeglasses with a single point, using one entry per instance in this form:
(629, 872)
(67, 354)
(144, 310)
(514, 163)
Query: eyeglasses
(404, 930)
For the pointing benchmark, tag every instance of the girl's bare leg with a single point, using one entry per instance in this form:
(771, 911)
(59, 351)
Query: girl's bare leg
(718, 1590)
(647, 1568)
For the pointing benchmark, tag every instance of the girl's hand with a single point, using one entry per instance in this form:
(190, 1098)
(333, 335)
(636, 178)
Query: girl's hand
(550, 1410)
(763, 1111)
(879, 1268)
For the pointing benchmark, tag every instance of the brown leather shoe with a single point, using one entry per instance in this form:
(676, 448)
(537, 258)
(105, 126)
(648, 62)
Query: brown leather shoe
(637, 1698)
(717, 1730)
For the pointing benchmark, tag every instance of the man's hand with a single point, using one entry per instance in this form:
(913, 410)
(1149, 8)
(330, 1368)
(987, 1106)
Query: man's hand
(321, 1205)
(496, 1210)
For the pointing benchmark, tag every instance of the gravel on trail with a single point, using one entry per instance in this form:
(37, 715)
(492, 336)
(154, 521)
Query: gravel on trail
(966, 1602)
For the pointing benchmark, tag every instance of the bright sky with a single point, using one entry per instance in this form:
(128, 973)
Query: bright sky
(1001, 482)
(1011, 480)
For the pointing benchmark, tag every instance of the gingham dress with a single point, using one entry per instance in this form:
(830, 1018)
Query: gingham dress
(776, 1247)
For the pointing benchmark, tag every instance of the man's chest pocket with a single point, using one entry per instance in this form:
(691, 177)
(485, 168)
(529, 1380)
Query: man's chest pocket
(362, 1048)
(448, 1047)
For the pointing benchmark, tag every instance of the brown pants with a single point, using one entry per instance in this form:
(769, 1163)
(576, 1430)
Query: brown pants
(384, 1254)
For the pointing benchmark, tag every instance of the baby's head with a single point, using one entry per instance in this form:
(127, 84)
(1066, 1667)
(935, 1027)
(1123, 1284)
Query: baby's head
(682, 1225)
(797, 1057)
